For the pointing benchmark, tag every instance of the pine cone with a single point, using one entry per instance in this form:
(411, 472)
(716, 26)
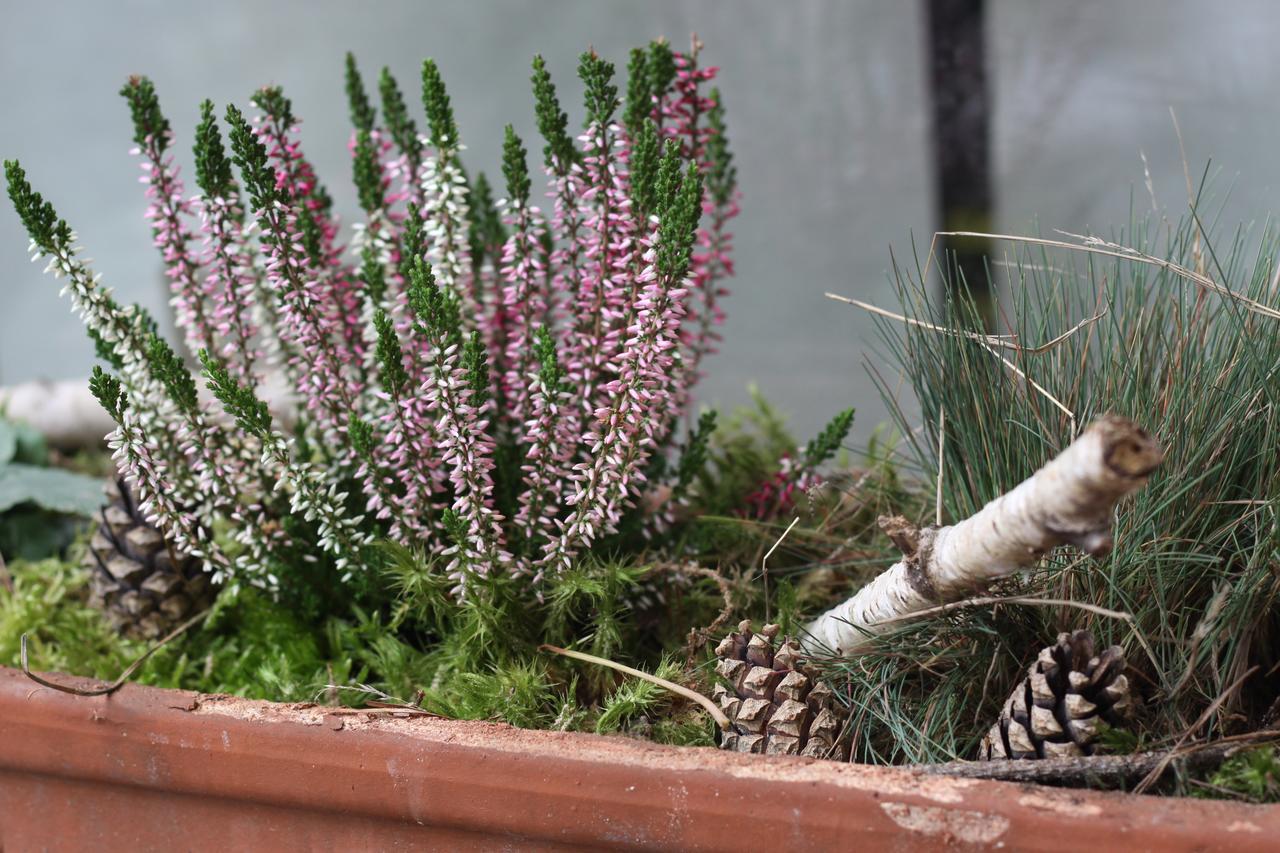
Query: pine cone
(1067, 699)
(776, 706)
(145, 587)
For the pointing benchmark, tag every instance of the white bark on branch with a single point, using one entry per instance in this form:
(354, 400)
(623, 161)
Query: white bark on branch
(1069, 501)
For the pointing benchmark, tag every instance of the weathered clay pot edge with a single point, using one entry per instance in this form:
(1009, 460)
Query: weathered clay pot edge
(147, 767)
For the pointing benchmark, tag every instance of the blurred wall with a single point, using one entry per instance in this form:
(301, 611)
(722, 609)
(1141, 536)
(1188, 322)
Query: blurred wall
(827, 114)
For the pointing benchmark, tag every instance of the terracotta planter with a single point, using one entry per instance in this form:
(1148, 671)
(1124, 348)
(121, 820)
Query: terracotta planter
(159, 769)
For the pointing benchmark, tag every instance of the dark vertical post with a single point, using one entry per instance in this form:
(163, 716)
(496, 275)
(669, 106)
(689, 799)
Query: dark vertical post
(962, 139)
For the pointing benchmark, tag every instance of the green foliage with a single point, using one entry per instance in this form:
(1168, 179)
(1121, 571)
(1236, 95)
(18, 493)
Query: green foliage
(600, 92)
(827, 443)
(435, 100)
(485, 233)
(550, 372)
(47, 231)
(661, 66)
(107, 391)
(636, 697)
(390, 356)
(722, 175)
(240, 401)
(587, 604)
(367, 173)
(63, 632)
(401, 126)
(1252, 775)
(693, 460)
(213, 169)
(644, 169)
(435, 309)
(272, 101)
(515, 167)
(667, 179)
(250, 155)
(48, 488)
(38, 504)
(679, 224)
(144, 106)
(22, 444)
(518, 693)
(413, 239)
(363, 115)
(475, 362)
(373, 275)
(559, 152)
(173, 374)
(360, 434)
(639, 96)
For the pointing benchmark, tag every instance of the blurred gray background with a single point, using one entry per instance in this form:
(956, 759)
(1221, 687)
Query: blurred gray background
(828, 116)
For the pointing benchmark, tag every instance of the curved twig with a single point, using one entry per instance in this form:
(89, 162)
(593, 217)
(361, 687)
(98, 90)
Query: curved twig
(694, 696)
(124, 676)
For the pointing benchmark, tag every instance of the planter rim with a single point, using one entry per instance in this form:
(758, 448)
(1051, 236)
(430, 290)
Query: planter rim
(478, 782)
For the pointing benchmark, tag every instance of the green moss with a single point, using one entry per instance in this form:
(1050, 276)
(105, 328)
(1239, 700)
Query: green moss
(1252, 775)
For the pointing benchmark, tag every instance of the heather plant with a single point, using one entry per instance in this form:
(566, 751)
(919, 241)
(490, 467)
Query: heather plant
(491, 386)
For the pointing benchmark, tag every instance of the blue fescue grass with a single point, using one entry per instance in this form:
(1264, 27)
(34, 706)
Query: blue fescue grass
(1195, 562)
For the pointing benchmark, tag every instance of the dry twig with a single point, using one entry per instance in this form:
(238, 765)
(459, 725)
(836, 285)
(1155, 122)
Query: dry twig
(1102, 771)
(692, 695)
(124, 676)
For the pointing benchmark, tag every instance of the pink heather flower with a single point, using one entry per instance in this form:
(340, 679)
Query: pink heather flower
(316, 497)
(524, 305)
(465, 446)
(321, 372)
(336, 282)
(382, 230)
(779, 493)
(551, 436)
(406, 174)
(571, 240)
(165, 212)
(408, 451)
(709, 266)
(607, 280)
(380, 234)
(680, 114)
(444, 215)
(629, 424)
(122, 330)
(229, 283)
(151, 478)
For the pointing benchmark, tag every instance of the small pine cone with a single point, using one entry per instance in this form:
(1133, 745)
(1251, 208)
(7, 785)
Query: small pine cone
(775, 704)
(145, 587)
(1070, 695)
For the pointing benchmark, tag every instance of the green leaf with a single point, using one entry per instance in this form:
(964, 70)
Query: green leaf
(31, 447)
(8, 442)
(31, 533)
(50, 488)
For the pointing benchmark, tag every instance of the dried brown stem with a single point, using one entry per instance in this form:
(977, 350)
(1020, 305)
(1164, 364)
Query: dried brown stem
(124, 676)
(1105, 771)
(692, 695)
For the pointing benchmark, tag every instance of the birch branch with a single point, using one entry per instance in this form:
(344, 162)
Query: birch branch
(1068, 501)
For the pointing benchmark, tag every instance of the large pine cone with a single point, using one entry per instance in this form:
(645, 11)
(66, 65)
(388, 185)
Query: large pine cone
(776, 706)
(1066, 701)
(145, 587)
